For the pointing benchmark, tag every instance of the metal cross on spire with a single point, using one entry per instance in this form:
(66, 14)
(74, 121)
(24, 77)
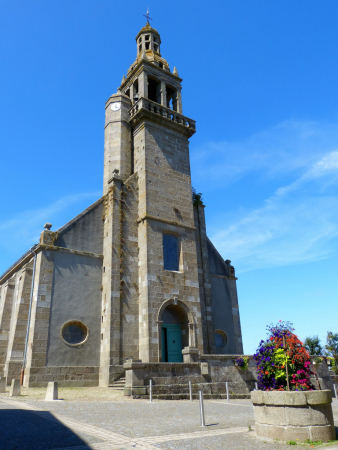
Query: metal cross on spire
(147, 16)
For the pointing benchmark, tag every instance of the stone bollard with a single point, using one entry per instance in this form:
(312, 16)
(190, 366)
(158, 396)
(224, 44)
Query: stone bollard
(15, 388)
(3, 384)
(52, 391)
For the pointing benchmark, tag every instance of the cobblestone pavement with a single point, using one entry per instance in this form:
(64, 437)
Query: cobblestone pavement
(101, 419)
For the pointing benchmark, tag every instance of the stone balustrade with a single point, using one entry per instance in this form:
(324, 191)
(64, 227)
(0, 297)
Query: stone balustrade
(161, 110)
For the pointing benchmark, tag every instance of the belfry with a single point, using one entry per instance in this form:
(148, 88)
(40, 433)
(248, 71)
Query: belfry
(134, 277)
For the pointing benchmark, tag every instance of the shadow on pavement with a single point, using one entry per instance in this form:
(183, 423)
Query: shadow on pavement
(27, 430)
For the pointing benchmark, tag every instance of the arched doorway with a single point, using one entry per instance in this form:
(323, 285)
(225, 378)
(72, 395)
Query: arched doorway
(174, 333)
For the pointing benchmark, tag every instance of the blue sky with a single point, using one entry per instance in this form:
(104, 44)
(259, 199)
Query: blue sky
(260, 79)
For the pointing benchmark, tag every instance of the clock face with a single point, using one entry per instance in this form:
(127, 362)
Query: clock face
(115, 106)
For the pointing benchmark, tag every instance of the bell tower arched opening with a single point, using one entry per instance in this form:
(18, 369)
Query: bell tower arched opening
(174, 333)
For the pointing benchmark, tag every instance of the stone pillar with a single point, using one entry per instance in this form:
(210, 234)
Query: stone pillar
(179, 102)
(190, 354)
(143, 85)
(52, 391)
(134, 378)
(40, 315)
(111, 282)
(7, 295)
(2, 385)
(15, 388)
(163, 94)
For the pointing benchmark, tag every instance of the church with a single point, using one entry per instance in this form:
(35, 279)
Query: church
(134, 277)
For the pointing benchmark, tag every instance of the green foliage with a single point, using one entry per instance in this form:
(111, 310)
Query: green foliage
(313, 345)
(291, 442)
(331, 349)
(197, 198)
(313, 442)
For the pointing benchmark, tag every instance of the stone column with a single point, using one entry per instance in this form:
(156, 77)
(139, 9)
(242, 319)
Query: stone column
(163, 94)
(143, 85)
(179, 102)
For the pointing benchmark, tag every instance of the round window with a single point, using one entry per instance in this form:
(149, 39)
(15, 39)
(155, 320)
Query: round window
(74, 332)
(221, 339)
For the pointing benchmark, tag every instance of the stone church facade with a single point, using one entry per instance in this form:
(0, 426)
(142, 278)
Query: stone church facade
(134, 276)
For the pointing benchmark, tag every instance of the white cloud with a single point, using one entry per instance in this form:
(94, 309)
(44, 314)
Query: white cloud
(288, 147)
(299, 222)
(23, 230)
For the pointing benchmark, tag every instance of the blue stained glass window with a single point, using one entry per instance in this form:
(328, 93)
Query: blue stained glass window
(170, 252)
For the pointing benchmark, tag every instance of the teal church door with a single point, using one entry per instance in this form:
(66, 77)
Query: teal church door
(171, 343)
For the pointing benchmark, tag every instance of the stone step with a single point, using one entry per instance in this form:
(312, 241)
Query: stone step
(118, 385)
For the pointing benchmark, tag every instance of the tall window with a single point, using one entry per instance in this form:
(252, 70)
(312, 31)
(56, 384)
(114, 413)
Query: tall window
(170, 252)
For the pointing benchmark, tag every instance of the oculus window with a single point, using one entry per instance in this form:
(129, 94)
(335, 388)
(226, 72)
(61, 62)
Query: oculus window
(221, 339)
(74, 333)
(170, 252)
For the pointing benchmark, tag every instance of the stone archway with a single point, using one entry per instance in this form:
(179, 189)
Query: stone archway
(176, 330)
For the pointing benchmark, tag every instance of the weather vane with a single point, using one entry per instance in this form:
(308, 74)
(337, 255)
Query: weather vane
(147, 16)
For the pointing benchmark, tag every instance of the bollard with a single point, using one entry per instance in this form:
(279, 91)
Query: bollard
(15, 388)
(227, 388)
(52, 391)
(3, 384)
(335, 390)
(190, 391)
(150, 391)
(200, 395)
(256, 386)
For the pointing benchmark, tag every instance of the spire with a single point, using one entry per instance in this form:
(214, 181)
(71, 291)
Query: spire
(175, 72)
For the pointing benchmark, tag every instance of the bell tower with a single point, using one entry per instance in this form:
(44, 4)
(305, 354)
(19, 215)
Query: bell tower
(147, 139)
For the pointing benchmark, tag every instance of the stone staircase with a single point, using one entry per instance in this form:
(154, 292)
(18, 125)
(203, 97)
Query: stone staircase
(118, 385)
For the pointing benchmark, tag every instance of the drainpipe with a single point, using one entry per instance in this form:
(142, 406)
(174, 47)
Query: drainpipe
(29, 318)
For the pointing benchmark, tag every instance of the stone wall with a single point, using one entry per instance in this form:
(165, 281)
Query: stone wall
(297, 416)
(67, 376)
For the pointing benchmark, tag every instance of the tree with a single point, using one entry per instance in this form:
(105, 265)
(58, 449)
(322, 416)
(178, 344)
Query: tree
(312, 344)
(331, 347)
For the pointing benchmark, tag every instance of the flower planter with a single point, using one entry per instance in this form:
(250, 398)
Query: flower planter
(294, 415)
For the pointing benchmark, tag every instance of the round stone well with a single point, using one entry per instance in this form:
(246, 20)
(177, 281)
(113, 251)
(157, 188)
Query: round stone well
(289, 416)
